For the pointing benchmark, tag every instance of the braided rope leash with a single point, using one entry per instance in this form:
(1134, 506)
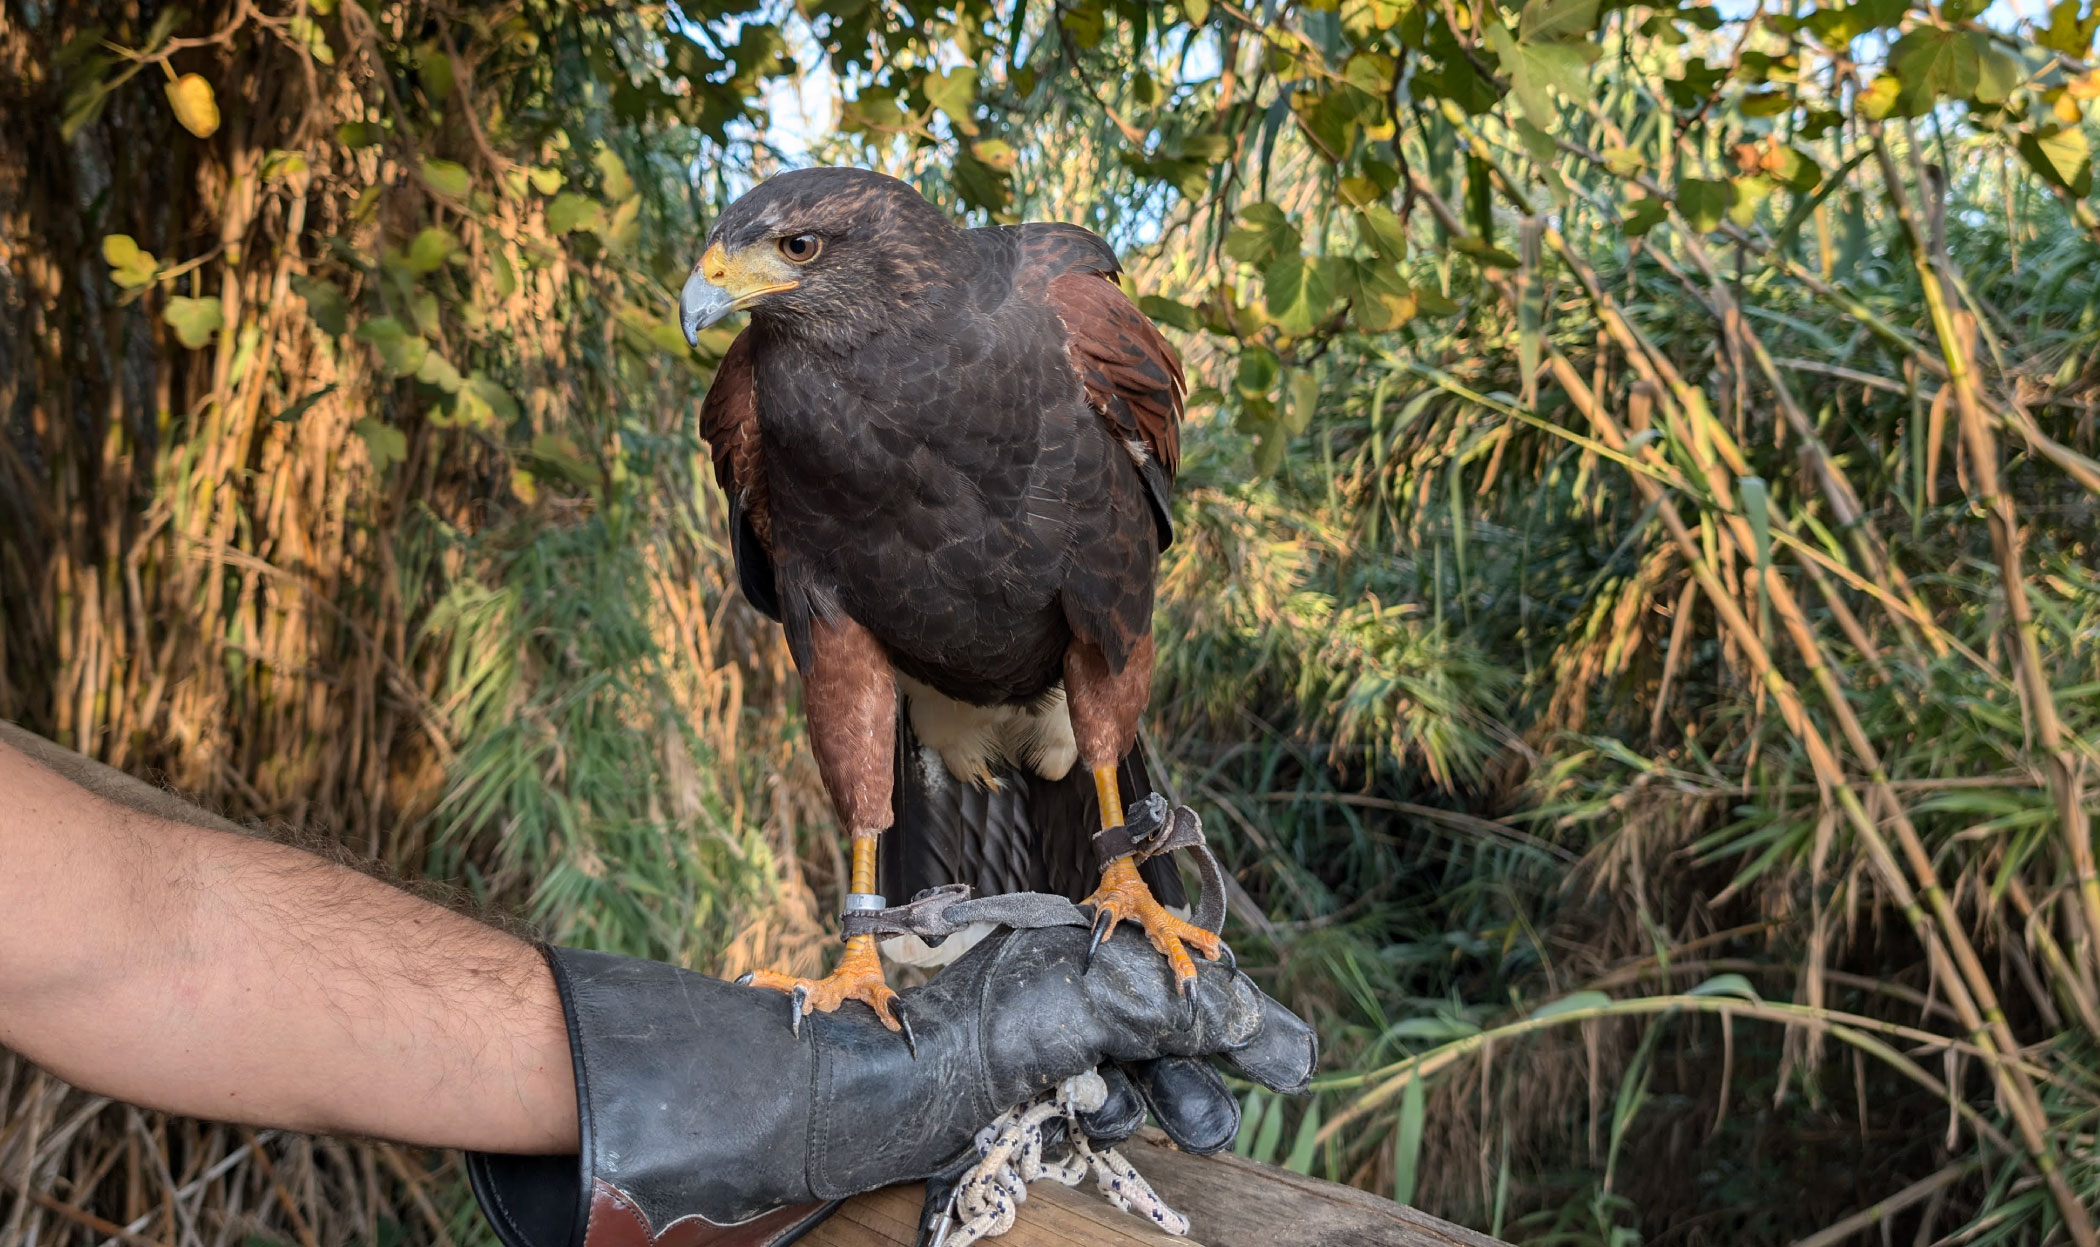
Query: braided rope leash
(986, 1202)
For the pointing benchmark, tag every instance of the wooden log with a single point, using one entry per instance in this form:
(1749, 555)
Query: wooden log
(1229, 1202)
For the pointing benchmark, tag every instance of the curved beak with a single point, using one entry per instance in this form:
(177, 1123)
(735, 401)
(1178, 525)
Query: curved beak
(701, 304)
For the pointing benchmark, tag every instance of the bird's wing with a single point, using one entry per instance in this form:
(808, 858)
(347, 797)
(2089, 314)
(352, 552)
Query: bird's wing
(729, 422)
(1132, 377)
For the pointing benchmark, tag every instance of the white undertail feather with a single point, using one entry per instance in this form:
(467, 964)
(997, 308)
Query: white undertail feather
(972, 740)
(910, 950)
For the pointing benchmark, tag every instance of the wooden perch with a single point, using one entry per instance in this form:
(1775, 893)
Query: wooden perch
(1229, 1202)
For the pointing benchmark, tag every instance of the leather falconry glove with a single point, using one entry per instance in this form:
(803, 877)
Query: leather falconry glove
(707, 1122)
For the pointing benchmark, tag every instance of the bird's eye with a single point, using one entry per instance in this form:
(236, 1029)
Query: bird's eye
(802, 248)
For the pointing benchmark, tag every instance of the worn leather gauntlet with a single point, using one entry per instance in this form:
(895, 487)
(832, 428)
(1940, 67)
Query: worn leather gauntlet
(707, 1122)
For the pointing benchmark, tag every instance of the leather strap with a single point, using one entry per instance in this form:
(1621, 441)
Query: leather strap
(1153, 828)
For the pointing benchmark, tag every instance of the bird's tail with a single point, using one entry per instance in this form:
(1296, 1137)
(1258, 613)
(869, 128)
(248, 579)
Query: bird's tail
(1021, 833)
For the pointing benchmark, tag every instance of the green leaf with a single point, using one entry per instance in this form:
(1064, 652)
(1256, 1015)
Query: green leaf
(1382, 301)
(325, 304)
(1257, 372)
(1556, 21)
(1296, 293)
(1305, 1142)
(2062, 156)
(1570, 1004)
(1757, 507)
(1878, 98)
(194, 320)
(954, 92)
(307, 32)
(2000, 74)
(1264, 233)
(447, 178)
(1250, 1121)
(569, 211)
(498, 400)
(1168, 311)
(1436, 1029)
(130, 266)
(1431, 302)
(438, 371)
(356, 134)
(1407, 1138)
(1767, 103)
(997, 153)
(1934, 64)
(1533, 67)
(1794, 169)
(429, 249)
(1086, 22)
(385, 444)
(1745, 195)
(1483, 251)
(1372, 72)
(1703, 204)
(436, 70)
(625, 229)
(545, 181)
(401, 351)
(2068, 32)
(1643, 214)
(281, 164)
(304, 405)
(1270, 1135)
(612, 174)
(1727, 985)
(1301, 398)
(1382, 231)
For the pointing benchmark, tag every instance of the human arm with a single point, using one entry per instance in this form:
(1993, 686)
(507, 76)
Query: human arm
(218, 975)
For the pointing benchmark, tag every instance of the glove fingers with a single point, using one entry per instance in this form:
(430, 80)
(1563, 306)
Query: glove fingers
(1120, 1114)
(1191, 1101)
(1282, 1052)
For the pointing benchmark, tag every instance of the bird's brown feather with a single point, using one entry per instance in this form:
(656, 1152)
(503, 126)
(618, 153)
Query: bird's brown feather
(729, 422)
(1133, 378)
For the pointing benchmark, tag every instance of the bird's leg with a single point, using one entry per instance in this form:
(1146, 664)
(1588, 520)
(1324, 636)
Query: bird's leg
(1124, 894)
(859, 973)
(850, 698)
(1106, 704)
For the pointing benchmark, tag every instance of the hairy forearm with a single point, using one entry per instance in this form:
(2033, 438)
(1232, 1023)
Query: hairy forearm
(220, 976)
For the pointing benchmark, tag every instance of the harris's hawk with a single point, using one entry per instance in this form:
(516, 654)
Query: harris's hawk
(948, 454)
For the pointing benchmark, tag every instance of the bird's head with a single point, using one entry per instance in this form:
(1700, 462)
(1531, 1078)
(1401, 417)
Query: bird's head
(825, 253)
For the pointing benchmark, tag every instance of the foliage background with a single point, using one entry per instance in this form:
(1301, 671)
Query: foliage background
(1634, 629)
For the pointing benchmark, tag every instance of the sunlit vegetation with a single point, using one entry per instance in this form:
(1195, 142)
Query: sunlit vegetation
(1634, 629)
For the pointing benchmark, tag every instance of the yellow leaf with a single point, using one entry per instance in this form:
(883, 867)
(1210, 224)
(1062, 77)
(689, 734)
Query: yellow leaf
(2085, 88)
(195, 105)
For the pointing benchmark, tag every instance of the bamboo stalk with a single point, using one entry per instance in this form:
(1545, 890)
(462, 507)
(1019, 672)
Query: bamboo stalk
(2065, 771)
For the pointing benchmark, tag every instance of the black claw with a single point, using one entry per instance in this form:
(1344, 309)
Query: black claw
(1104, 921)
(800, 999)
(1225, 955)
(911, 1041)
(745, 979)
(1187, 988)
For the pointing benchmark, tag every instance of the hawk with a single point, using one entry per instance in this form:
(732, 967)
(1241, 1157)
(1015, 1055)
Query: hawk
(948, 454)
